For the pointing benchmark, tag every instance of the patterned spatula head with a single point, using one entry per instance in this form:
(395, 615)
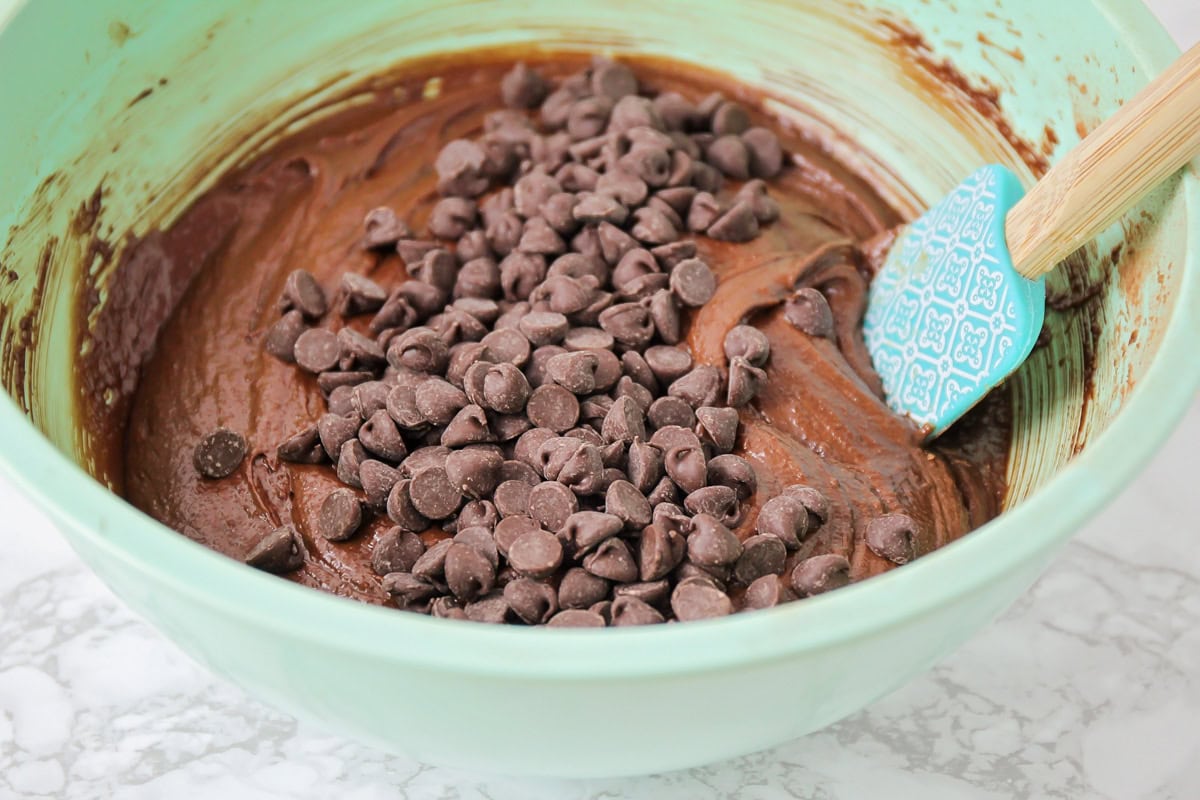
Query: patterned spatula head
(948, 317)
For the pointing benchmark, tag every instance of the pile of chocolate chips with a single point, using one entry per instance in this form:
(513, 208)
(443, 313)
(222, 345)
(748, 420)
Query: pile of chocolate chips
(524, 392)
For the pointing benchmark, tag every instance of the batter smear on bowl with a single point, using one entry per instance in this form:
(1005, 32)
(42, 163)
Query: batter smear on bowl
(579, 348)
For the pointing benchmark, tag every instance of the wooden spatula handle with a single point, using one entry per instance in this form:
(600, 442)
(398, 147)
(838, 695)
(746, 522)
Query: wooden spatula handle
(1151, 136)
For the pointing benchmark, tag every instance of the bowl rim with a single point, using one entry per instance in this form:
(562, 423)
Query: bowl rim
(283, 608)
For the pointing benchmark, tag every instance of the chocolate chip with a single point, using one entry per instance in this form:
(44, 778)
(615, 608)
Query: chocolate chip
(559, 212)
(808, 311)
(729, 118)
(422, 457)
(564, 295)
(469, 573)
(668, 363)
(317, 350)
(425, 299)
(632, 112)
(766, 156)
(634, 365)
(302, 447)
(438, 401)
(761, 555)
(613, 80)
(432, 493)
(644, 466)
(478, 278)
(534, 602)
(583, 470)
(302, 293)
(575, 372)
(419, 349)
(359, 295)
(550, 503)
(612, 561)
(614, 242)
(471, 245)
(504, 234)
(649, 162)
(451, 217)
(629, 189)
(469, 426)
(461, 169)
(580, 589)
(820, 574)
(893, 536)
(734, 472)
(813, 501)
(473, 472)
(669, 436)
(702, 386)
(382, 228)
(335, 379)
(535, 554)
(544, 327)
(749, 343)
(279, 552)
(660, 550)
(431, 565)
(588, 117)
(514, 470)
(539, 238)
(512, 498)
(671, 411)
(505, 388)
(693, 282)
(553, 407)
(411, 251)
(446, 607)
(340, 516)
(574, 178)
(509, 529)
(578, 265)
(745, 382)
(676, 111)
(719, 502)
(529, 445)
(595, 207)
(664, 312)
(401, 511)
(704, 210)
(507, 345)
(377, 479)
(784, 518)
(576, 618)
(729, 154)
(718, 427)
(281, 337)
(628, 323)
(706, 177)
(696, 598)
(738, 224)
(219, 453)
(478, 514)
(585, 530)
(625, 421)
(654, 227)
(349, 463)
(492, 609)
(711, 544)
(408, 590)
(380, 436)
(632, 611)
(396, 550)
(625, 502)
(754, 192)
(636, 263)
(767, 591)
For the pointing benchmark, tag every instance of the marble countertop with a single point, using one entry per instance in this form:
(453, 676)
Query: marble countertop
(1088, 687)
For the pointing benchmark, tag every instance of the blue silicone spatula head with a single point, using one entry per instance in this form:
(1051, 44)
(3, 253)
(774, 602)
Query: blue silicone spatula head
(948, 316)
(952, 313)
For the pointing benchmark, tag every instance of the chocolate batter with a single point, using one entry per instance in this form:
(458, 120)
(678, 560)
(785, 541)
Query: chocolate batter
(221, 267)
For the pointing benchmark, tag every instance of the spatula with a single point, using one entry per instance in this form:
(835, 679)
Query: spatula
(959, 301)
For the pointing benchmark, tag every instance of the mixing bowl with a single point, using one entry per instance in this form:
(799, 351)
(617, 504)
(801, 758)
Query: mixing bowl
(116, 113)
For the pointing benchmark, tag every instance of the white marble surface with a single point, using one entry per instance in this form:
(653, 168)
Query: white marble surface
(1089, 687)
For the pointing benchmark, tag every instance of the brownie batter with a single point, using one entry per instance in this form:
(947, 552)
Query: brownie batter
(222, 266)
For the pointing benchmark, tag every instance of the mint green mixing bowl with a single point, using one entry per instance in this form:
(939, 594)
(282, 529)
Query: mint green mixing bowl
(588, 703)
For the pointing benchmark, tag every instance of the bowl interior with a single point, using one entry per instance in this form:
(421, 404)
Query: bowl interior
(131, 146)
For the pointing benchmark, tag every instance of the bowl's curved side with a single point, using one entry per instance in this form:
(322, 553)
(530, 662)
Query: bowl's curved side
(722, 687)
